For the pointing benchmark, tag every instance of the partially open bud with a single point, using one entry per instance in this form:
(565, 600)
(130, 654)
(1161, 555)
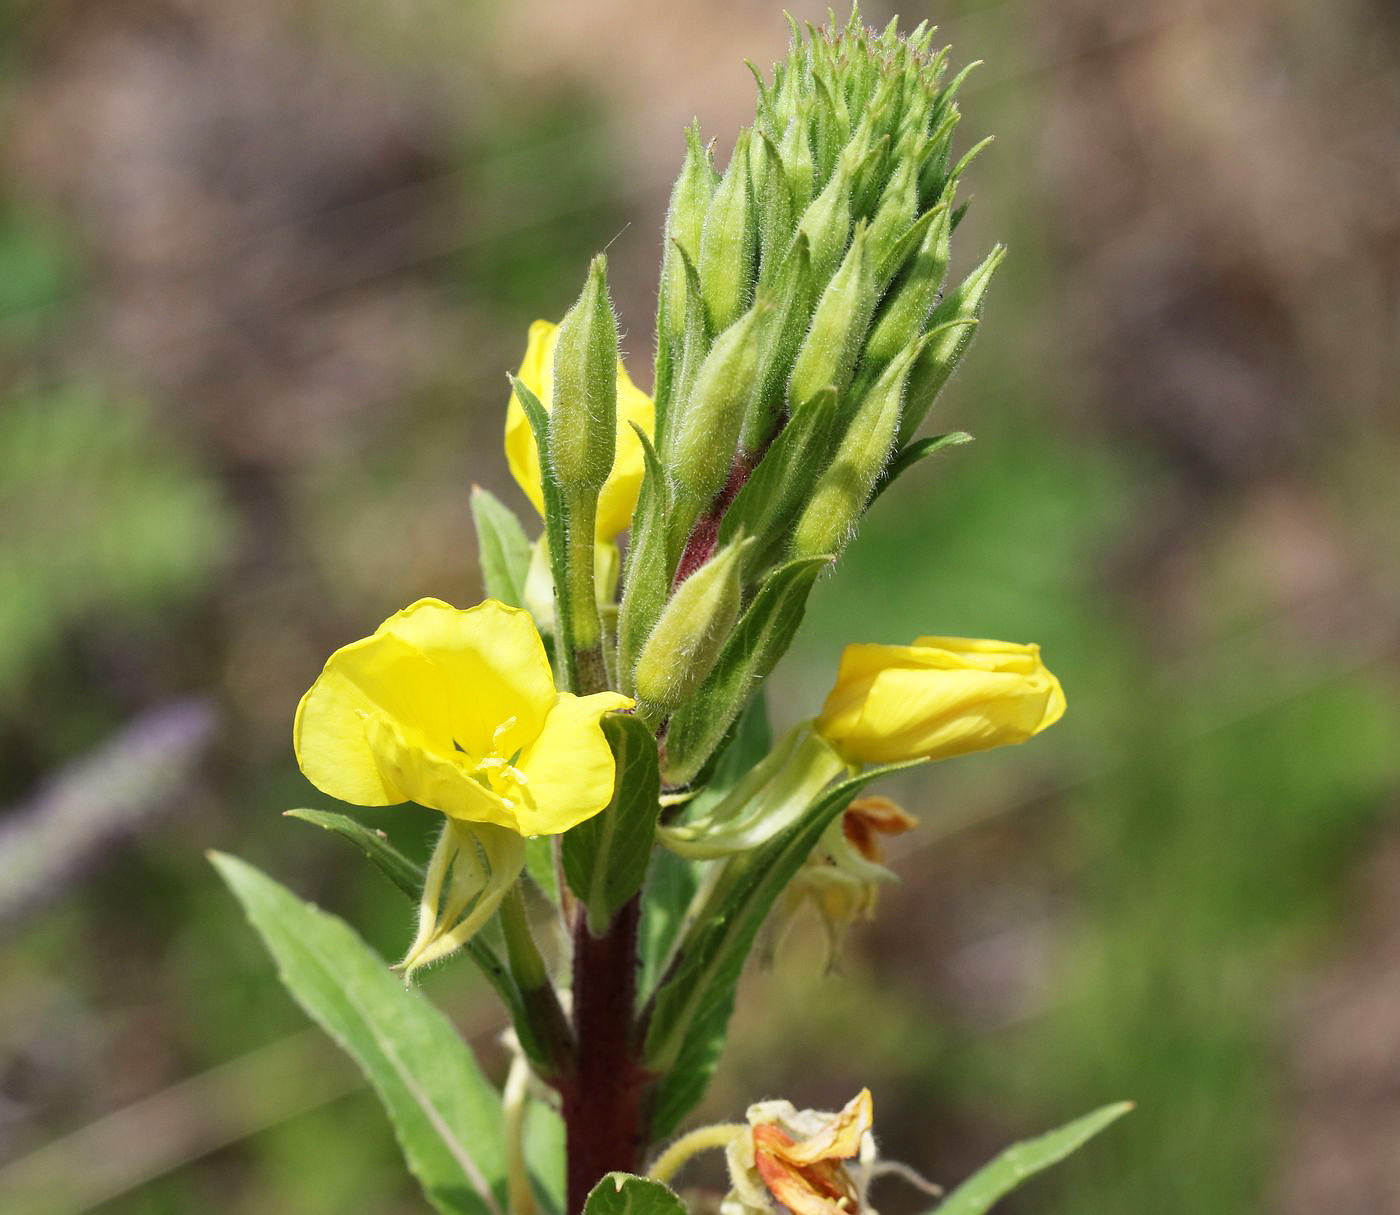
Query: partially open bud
(583, 421)
(689, 634)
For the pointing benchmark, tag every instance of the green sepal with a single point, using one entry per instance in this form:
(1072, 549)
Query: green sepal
(914, 453)
(761, 637)
(1022, 1161)
(556, 531)
(690, 1014)
(606, 856)
(503, 546)
(625, 1194)
(445, 1114)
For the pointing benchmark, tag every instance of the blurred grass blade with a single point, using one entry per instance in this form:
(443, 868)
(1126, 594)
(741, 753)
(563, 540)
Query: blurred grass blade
(446, 1116)
(404, 873)
(1022, 1161)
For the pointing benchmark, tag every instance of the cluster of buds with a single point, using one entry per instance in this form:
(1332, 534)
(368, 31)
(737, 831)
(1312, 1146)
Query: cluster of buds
(803, 333)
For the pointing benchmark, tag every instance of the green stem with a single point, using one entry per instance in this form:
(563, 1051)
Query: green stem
(586, 625)
(538, 998)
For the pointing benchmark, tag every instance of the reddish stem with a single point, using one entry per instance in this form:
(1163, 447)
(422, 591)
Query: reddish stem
(604, 1096)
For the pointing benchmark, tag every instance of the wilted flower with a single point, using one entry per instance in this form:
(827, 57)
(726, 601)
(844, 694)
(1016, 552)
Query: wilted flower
(845, 871)
(457, 711)
(808, 1161)
(618, 498)
(939, 697)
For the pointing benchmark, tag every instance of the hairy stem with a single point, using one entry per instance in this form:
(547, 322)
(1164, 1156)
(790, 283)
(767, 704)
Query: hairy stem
(604, 1098)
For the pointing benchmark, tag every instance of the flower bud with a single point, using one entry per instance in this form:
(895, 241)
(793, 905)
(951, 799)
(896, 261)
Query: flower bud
(690, 633)
(729, 241)
(685, 223)
(844, 489)
(911, 299)
(827, 357)
(827, 222)
(708, 429)
(796, 151)
(583, 421)
(773, 203)
(952, 326)
(941, 696)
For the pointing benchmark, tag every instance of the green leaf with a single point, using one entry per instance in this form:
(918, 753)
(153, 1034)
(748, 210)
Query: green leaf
(504, 548)
(555, 528)
(407, 875)
(691, 1010)
(544, 1154)
(446, 1116)
(671, 883)
(761, 638)
(539, 864)
(606, 857)
(750, 739)
(624, 1194)
(915, 452)
(1019, 1163)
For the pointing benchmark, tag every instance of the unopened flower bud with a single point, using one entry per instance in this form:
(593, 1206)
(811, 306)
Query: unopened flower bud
(729, 241)
(708, 428)
(583, 421)
(690, 633)
(844, 488)
(827, 222)
(685, 224)
(911, 299)
(827, 357)
(952, 326)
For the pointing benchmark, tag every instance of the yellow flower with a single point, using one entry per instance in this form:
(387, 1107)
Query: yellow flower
(619, 495)
(457, 711)
(939, 697)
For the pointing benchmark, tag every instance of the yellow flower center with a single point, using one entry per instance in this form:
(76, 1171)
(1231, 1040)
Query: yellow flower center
(497, 771)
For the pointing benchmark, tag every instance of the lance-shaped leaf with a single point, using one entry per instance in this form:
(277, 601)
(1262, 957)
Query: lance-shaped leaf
(980, 1192)
(761, 637)
(446, 1115)
(915, 453)
(691, 1010)
(503, 546)
(624, 1194)
(606, 857)
(556, 530)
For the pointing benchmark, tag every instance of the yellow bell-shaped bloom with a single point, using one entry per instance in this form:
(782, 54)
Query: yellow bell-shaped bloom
(939, 697)
(457, 711)
(618, 498)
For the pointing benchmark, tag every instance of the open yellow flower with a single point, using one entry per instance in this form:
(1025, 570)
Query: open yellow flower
(939, 697)
(618, 498)
(457, 711)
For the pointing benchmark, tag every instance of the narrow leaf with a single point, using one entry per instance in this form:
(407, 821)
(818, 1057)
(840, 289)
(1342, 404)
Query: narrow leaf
(407, 875)
(1019, 1163)
(916, 452)
(624, 1194)
(447, 1117)
(503, 547)
(606, 857)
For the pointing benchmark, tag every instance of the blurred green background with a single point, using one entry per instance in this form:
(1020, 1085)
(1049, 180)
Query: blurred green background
(262, 270)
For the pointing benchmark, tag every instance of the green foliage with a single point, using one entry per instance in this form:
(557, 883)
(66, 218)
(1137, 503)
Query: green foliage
(405, 874)
(502, 546)
(624, 1194)
(445, 1113)
(1022, 1161)
(606, 857)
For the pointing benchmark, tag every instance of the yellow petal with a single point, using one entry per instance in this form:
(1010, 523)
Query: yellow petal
(379, 676)
(618, 498)
(569, 769)
(493, 666)
(840, 1138)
